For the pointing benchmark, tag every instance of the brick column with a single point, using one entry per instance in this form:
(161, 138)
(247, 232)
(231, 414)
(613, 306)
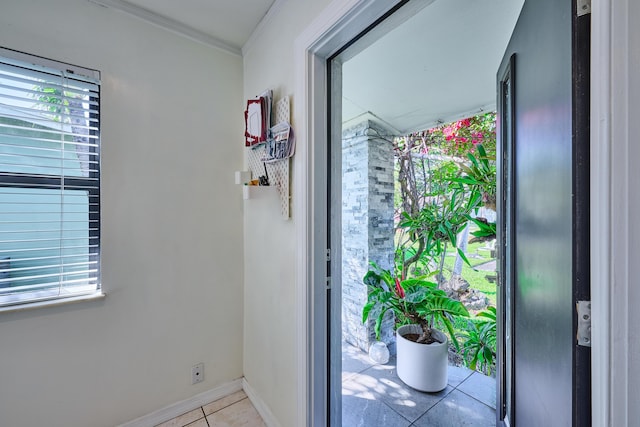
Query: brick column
(367, 224)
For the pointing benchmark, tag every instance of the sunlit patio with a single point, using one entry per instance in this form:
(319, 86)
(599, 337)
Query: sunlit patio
(373, 395)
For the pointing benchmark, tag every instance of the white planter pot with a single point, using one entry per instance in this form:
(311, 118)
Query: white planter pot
(422, 366)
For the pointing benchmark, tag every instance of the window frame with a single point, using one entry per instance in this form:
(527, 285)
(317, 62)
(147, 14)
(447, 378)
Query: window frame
(91, 184)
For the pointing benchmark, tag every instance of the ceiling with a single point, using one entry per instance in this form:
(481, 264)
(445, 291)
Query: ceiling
(438, 65)
(226, 24)
(433, 61)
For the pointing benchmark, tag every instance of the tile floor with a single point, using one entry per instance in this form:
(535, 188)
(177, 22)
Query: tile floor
(373, 396)
(234, 410)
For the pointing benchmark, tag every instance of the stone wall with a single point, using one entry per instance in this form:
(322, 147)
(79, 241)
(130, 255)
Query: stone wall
(367, 224)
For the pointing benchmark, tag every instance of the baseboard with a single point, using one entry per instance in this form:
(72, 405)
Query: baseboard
(267, 416)
(169, 412)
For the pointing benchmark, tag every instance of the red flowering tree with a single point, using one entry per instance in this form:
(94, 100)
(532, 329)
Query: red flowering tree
(458, 138)
(443, 173)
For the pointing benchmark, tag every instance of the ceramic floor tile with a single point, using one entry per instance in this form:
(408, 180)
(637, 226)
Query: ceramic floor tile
(240, 414)
(184, 419)
(224, 402)
(202, 422)
(381, 382)
(458, 410)
(480, 387)
(364, 410)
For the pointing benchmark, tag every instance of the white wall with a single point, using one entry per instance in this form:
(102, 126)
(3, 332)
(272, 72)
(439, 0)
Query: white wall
(172, 245)
(270, 310)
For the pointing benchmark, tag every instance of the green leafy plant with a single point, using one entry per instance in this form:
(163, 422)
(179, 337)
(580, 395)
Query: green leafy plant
(443, 176)
(479, 347)
(479, 175)
(413, 301)
(486, 230)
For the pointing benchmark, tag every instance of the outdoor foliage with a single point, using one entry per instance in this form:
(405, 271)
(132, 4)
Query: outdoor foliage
(444, 175)
(479, 348)
(413, 301)
(456, 139)
(463, 136)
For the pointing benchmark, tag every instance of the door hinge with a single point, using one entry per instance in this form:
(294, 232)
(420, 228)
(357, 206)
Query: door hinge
(328, 283)
(328, 254)
(583, 7)
(584, 323)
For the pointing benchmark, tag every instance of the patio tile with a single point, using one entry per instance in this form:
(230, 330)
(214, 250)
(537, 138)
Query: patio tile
(361, 408)
(382, 383)
(354, 361)
(456, 410)
(480, 387)
(457, 374)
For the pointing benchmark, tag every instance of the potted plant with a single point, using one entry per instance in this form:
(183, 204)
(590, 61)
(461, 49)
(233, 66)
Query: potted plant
(419, 307)
(436, 201)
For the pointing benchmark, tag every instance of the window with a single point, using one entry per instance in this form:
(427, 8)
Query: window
(49, 180)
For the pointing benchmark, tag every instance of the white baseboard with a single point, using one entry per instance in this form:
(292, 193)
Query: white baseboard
(172, 411)
(267, 416)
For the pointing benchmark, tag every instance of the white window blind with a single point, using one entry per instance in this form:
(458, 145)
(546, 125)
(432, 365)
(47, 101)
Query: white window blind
(49, 180)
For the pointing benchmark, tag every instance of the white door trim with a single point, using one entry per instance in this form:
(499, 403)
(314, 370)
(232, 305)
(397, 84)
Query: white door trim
(340, 22)
(600, 212)
(610, 209)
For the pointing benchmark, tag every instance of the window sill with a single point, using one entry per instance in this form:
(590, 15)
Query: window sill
(51, 302)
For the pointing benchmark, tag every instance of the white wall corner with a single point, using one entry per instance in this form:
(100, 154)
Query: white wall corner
(242, 177)
(176, 409)
(267, 416)
(264, 23)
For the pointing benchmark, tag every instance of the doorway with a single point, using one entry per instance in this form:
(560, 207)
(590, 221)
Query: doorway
(376, 103)
(314, 60)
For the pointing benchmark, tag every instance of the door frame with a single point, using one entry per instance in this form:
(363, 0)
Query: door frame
(610, 86)
(506, 240)
(341, 21)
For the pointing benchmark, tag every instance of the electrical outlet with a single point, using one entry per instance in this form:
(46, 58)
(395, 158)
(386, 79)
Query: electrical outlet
(197, 373)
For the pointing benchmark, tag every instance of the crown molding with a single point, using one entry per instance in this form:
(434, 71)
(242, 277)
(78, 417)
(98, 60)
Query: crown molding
(169, 24)
(264, 22)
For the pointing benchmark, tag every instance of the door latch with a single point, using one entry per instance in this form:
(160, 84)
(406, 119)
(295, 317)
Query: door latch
(584, 323)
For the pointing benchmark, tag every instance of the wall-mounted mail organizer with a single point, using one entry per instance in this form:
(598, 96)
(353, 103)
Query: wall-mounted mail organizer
(270, 148)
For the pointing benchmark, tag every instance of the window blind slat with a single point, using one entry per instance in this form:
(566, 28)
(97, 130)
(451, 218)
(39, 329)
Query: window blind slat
(49, 179)
(56, 135)
(43, 93)
(22, 71)
(12, 109)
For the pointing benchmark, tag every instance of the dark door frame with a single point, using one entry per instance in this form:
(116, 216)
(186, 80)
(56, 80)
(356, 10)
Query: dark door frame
(505, 130)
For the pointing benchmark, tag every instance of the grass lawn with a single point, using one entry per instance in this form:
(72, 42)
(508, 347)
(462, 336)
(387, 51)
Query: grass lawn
(477, 255)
